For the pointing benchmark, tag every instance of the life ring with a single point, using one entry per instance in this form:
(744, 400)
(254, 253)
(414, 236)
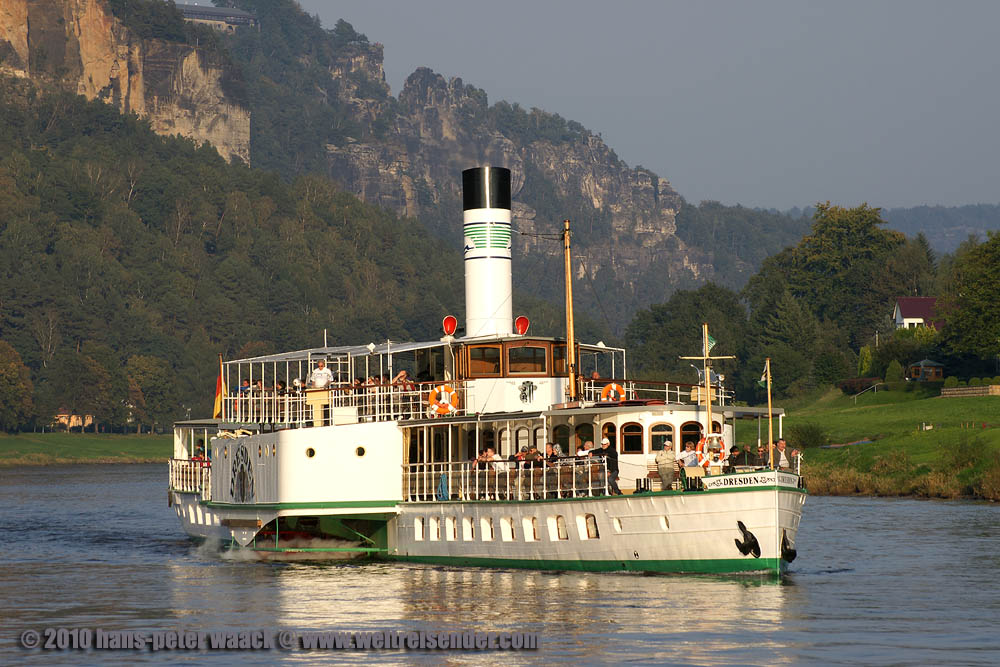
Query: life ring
(443, 400)
(614, 389)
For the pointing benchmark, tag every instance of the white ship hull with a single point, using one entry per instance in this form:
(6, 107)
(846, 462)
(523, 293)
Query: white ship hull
(660, 532)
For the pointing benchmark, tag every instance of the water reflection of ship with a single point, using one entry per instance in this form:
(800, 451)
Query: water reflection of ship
(666, 620)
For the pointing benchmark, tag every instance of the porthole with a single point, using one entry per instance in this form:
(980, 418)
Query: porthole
(260, 451)
(360, 451)
(617, 523)
(273, 450)
(225, 451)
(310, 452)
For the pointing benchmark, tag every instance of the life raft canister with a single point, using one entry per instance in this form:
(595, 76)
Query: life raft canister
(443, 400)
(613, 392)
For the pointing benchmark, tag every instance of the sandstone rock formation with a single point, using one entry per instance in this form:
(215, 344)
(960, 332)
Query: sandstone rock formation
(79, 44)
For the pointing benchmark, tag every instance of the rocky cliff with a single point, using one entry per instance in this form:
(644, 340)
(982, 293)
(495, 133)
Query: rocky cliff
(79, 44)
(624, 217)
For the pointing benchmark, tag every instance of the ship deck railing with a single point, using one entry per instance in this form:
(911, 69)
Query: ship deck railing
(345, 403)
(647, 390)
(505, 480)
(191, 476)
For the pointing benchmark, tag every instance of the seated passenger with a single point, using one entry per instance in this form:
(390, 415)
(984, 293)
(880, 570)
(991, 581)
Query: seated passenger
(666, 462)
(689, 457)
(783, 459)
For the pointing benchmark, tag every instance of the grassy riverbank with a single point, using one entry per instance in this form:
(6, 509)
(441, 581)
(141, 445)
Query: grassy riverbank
(959, 457)
(48, 448)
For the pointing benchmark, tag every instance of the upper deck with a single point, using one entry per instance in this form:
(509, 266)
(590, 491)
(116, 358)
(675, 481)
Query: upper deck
(433, 380)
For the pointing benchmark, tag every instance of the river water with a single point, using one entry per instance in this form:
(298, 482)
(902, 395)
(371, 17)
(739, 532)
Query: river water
(876, 582)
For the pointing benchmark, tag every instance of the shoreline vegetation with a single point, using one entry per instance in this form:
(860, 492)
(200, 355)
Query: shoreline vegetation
(905, 442)
(24, 449)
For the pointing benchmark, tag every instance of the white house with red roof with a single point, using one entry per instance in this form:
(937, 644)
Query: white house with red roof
(915, 311)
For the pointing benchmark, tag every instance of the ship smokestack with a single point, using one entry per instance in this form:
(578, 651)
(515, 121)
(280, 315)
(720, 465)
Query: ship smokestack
(486, 220)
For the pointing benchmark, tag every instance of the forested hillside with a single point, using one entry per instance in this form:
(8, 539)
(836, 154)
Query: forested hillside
(129, 261)
(946, 227)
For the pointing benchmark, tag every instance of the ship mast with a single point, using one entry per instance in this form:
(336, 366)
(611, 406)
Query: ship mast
(570, 340)
(706, 360)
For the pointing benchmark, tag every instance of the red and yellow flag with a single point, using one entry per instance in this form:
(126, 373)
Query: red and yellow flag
(220, 391)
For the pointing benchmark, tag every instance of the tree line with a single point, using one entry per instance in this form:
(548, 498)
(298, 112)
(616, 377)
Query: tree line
(822, 310)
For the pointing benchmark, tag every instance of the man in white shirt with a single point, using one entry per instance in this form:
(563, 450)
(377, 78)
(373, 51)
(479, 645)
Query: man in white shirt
(321, 376)
(585, 448)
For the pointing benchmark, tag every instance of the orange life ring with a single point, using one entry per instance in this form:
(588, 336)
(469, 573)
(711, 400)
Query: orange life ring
(613, 389)
(442, 400)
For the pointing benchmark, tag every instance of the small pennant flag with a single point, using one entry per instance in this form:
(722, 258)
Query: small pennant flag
(711, 343)
(220, 391)
(763, 378)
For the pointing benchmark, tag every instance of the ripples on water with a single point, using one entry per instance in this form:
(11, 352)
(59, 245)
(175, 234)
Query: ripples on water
(876, 582)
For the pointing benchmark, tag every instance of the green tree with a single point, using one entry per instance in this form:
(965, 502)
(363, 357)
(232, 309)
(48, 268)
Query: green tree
(971, 310)
(662, 333)
(839, 271)
(153, 377)
(15, 389)
(894, 372)
(864, 361)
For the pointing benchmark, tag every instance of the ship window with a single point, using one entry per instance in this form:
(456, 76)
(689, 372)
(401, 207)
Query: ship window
(418, 528)
(507, 529)
(557, 528)
(450, 529)
(468, 529)
(486, 526)
(586, 525)
(538, 438)
(435, 529)
(484, 360)
(632, 438)
(690, 432)
(530, 526)
(610, 431)
(560, 436)
(526, 359)
(559, 360)
(522, 440)
(660, 436)
(503, 442)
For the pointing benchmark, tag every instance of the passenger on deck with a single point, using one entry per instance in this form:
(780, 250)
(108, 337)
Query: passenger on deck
(782, 458)
(689, 457)
(321, 377)
(199, 450)
(497, 463)
(585, 448)
(736, 458)
(244, 389)
(760, 458)
(594, 375)
(666, 463)
(608, 453)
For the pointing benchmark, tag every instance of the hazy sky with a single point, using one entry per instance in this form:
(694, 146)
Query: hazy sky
(762, 103)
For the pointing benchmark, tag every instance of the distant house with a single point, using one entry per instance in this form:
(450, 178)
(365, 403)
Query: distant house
(915, 311)
(925, 370)
(225, 19)
(67, 420)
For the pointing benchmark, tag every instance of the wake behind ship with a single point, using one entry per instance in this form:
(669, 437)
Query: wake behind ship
(495, 449)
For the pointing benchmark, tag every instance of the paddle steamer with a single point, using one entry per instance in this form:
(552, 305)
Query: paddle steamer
(360, 459)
